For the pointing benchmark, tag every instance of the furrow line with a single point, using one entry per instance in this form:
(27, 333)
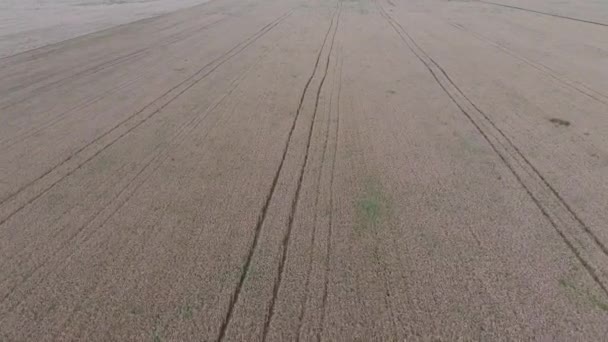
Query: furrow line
(49, 48)
(154, 108)
(11, 141)
(542, 193)
(543, 13)
(4, 144)
(236, 83)
(129, 190)
(88, 71)
(540, 67)
(188, 127)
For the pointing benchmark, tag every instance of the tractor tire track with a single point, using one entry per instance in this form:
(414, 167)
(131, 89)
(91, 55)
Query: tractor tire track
(86, 72)
(9, 142)
(44, 50)
(544, 13)
(587, 91)
(331, 207)
(313, 240)
(154, 109)
(90, 71)
(263, 213)
(25, 250)
(189, 127)
(296, 198)
(542, 193)
(129, 190)
(12, 141)
(234, 86)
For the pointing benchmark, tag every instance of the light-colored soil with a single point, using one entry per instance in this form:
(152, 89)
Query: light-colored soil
(310, 170)
(28, 24)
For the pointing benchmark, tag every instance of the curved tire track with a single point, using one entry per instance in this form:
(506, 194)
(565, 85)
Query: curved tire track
(263, 213)
(314, 238)
(296, 198)
(331, 207)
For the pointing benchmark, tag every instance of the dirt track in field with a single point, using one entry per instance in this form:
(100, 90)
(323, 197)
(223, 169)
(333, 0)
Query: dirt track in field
(325, 170)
